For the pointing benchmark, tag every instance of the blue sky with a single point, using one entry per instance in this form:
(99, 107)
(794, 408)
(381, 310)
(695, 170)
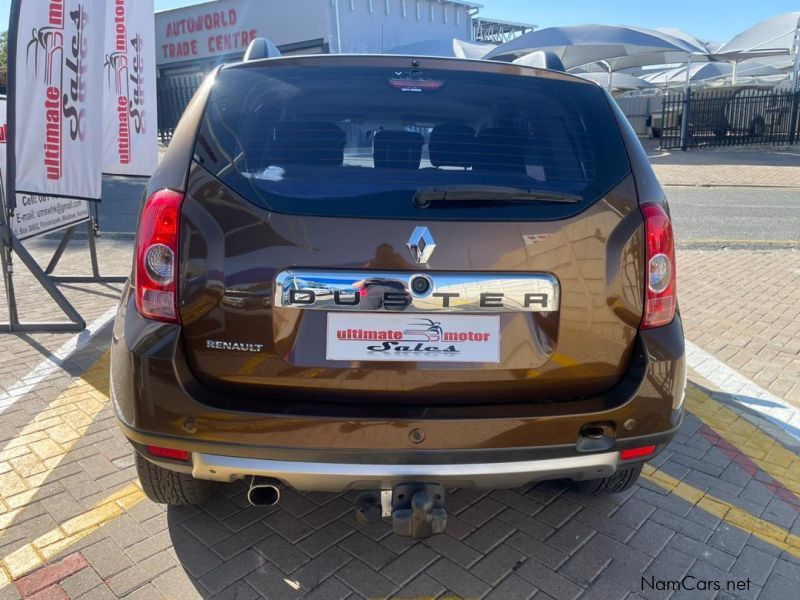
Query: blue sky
(717, 20)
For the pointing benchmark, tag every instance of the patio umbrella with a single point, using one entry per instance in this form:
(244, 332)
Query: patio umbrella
(614, 45)
(712, 71)
(697, 51)
(449, 48)
(774, 36)
(685, 36)
(619, 81)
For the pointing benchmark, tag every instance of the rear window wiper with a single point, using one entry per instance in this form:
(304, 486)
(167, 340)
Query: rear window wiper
(489, 193)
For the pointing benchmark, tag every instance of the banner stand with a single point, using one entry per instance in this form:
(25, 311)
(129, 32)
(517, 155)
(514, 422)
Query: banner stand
(62, 246)
(10, 245)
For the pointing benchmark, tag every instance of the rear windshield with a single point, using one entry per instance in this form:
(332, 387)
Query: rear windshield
(361, 141)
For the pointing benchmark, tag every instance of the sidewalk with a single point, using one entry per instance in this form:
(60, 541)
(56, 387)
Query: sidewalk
(720, 504)
(744, 166)
(743, 307)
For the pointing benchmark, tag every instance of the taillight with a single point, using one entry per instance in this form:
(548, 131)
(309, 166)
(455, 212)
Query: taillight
(157, 257)
(660, 289)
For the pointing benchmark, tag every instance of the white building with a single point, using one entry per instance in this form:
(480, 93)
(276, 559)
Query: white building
(197, 38)
(191, 41)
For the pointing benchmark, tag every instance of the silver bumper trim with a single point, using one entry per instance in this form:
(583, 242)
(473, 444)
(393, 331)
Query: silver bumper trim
(334, 477)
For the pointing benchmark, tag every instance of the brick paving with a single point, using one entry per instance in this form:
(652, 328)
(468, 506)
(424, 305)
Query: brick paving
(720, 504)
(744, 308)
(34, 305)
(746, 166)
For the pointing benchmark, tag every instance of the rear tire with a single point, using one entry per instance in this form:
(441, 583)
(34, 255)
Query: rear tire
(168, 487)
(620, 481)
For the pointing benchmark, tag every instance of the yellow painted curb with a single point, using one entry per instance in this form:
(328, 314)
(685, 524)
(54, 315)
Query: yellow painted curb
(768, 532)
(770, 456)
(48, 545)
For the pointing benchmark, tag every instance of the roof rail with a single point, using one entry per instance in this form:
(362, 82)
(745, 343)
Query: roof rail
(261, 48)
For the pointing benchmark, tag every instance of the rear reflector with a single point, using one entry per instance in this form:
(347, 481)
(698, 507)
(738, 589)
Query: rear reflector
(170, 453)
(632, 453)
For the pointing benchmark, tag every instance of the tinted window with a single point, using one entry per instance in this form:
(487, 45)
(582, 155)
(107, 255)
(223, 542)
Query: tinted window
(361, 141)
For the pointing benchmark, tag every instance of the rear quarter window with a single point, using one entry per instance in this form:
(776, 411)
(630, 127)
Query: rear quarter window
(360, 141)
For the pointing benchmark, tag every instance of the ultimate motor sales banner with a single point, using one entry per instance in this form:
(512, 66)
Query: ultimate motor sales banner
(129, 88)
(58, 86)
(37, 215)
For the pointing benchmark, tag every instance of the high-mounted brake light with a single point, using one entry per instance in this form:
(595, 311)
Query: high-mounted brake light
(660, 289)
(410, 84)
(157, 257)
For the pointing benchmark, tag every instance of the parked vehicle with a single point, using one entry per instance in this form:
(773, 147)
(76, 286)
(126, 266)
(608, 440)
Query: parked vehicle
(398, 276)
(743, 111)
(661, 119)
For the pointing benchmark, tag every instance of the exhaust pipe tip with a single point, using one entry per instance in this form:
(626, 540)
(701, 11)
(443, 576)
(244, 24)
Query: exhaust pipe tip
(263, 492)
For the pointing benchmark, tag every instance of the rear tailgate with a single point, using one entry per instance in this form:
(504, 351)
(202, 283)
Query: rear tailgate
(301, 242)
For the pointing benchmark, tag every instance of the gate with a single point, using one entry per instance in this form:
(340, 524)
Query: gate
(729, 117)
(174, 94)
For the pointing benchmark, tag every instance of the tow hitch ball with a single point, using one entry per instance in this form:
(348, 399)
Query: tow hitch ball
(417, 509)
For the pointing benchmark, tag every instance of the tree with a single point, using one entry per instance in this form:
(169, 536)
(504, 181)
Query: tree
(4, 49)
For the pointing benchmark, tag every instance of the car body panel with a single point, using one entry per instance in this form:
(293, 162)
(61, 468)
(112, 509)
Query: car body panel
(244, 379)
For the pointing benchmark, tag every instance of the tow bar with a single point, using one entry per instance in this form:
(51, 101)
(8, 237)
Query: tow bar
(417, 509)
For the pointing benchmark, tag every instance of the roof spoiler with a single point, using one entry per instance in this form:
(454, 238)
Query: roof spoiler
(261, 48)
(542, 59)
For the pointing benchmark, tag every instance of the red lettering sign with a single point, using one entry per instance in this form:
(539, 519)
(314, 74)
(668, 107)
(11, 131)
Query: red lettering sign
(56, 15)
(52, 144)
(124, 131)
(120, 27)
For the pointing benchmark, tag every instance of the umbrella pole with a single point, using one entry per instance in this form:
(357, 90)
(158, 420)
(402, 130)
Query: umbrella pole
(689, 72)
(733, 73)
(610, 75)
(687, 103)
(796, 68)
(793, 119)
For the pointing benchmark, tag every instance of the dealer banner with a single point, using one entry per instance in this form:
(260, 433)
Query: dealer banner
(36, 215)
(3, 143)
(57, 126)
(129, 90)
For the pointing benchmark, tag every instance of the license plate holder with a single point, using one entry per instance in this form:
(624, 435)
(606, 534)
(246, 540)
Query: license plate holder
(394, 337)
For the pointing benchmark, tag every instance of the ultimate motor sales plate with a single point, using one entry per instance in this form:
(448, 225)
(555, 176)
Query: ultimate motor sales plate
(413, 337)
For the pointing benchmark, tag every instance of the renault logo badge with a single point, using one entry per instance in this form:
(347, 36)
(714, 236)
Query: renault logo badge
(421, 245)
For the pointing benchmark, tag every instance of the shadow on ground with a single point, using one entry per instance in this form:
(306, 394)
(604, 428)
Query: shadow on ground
(543, 536)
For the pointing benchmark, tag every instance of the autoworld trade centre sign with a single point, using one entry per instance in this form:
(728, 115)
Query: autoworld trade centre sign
(206, 30)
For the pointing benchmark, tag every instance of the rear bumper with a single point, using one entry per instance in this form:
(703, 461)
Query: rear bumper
(488, 469)
(159, 402)
(334, 477)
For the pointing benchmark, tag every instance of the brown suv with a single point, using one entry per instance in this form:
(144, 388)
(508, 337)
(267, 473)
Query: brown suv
(398, 275)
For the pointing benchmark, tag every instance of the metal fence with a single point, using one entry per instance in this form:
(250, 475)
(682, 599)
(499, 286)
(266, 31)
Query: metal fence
(638, 110)
(174, 94)
(729, 117)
